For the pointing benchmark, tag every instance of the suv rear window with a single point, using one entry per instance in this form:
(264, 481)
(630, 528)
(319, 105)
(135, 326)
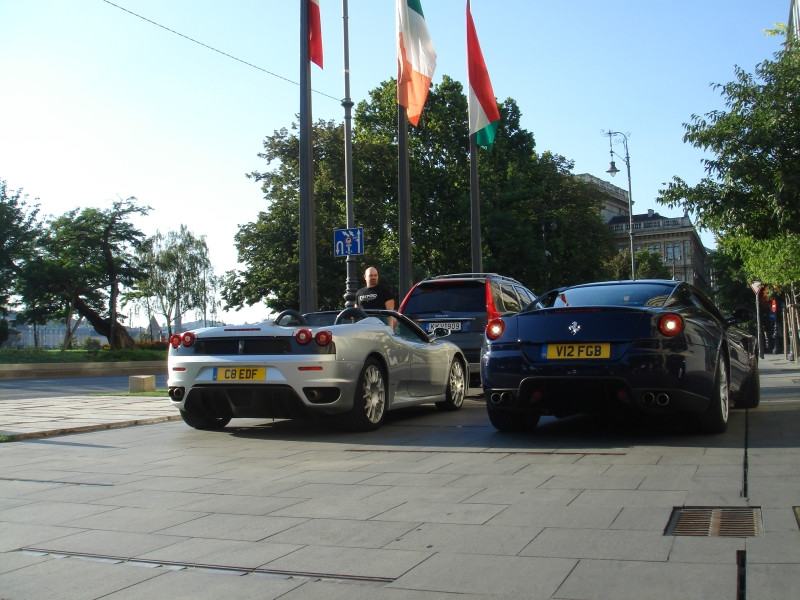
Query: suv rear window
(449, 296)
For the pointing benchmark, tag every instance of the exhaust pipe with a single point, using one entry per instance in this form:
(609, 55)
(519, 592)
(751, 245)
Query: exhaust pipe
(177, 393)
(648, 397)
(500, 398)
(663, 399)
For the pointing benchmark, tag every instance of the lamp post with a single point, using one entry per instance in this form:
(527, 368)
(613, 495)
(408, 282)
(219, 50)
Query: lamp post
(613, 170)
(756, 287)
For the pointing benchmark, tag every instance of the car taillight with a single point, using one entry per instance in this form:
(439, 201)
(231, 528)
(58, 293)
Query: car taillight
(323, 338)
(491, 309)
(303, 336)
(495, 328)
(670, 324)
(188, 338)
(175, 340)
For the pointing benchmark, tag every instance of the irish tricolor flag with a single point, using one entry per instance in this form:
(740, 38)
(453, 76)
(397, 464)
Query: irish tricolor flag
(483, 114)
(416, 58)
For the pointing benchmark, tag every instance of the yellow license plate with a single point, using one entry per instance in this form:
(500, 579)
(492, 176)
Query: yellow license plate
(240, 373)
(576, 351)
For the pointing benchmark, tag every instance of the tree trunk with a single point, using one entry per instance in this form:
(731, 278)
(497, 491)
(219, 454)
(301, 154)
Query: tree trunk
(122, 339)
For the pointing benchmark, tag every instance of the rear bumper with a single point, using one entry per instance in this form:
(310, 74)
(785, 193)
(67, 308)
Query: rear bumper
(656, 383)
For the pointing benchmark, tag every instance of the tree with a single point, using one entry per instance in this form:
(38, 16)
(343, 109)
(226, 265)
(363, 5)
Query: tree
(177, 267)
(753, 176)
(649, 265)
(93, 255)
(522, 192)
(18, 237)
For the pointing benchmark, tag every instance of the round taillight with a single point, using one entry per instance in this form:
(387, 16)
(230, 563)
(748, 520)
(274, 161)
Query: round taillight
(175, 340)
(670, 324)
(188, 339)
(495, 328)
(323, 338)
(303, 336)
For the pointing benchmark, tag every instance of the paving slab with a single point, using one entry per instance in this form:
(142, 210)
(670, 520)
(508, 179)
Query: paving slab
(432, 506)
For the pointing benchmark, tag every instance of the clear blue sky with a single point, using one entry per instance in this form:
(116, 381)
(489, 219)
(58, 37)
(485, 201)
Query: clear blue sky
(98, 104)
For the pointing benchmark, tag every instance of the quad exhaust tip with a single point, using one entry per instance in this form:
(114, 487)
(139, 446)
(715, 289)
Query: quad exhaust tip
(500, 398)
(658, 398)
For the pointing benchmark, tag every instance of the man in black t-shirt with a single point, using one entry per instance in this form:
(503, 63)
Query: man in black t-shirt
(374, 295)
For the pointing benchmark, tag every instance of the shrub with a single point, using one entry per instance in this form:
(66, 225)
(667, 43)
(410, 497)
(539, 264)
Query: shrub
(92, 345)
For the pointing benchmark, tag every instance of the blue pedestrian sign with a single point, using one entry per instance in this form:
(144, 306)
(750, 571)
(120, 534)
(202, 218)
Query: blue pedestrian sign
(348, 241)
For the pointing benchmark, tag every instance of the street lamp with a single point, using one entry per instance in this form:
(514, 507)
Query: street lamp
(756, 287)
(613, 170)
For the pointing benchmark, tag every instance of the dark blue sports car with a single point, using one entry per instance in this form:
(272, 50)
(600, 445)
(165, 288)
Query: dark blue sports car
(659, 347)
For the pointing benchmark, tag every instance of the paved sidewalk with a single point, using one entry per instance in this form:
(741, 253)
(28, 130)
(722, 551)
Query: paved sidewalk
(433, 506)
(23, 419)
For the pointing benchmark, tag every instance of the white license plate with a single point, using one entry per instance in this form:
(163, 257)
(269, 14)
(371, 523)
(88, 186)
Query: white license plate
(451, 325)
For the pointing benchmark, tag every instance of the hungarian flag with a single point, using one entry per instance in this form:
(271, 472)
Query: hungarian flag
(314, 33)
(483, 114)
(416, 58)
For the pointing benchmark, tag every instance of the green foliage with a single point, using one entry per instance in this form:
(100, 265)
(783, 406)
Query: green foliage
(753, 183)
(529, 203)
(649, 265)
(18, 237)
(27, 356)
(92, 344)
(731, 281)
(179, 276)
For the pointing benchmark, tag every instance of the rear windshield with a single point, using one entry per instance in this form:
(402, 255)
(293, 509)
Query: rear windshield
(448, 297)
(639, 294)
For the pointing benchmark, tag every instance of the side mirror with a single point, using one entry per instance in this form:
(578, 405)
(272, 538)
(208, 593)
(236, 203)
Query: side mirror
(440, 332)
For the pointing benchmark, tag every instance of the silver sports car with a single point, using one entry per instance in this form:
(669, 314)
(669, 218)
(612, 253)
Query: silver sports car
(354, 370)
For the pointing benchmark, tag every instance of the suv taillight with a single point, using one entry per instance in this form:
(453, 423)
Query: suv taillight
(491, 309)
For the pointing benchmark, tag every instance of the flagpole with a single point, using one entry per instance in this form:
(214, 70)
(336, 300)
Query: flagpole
(475, 206)
(308, 257)
(351, 283)
(403, 203)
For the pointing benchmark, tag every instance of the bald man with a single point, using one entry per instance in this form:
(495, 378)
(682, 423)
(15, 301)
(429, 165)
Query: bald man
(375, 294)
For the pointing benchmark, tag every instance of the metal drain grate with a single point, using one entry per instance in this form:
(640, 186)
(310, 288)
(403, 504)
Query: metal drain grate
(715, 522)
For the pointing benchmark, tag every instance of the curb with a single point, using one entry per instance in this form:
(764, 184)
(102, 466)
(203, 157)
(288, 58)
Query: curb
(18, 437)
(94, 369)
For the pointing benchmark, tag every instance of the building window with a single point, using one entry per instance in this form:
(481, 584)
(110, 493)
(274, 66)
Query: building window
(673, 251)
(654, 248)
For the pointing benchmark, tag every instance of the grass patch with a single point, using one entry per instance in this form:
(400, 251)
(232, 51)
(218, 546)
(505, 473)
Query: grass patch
(10, 356)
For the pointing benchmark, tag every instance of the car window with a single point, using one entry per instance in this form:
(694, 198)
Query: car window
(706, 304)
(451, 297)
(506, 300)
(524, 297)
(640, 294)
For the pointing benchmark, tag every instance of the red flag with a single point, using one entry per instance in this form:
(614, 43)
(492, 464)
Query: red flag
(314, 33)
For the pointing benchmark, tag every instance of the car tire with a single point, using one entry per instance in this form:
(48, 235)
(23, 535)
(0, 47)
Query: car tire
(456, 389)
(508, 421)
(203, 421)
(715, 419)
(752, 396)
(369, 400)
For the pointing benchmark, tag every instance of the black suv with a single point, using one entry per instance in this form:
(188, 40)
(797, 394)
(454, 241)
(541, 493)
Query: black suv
(464, 303)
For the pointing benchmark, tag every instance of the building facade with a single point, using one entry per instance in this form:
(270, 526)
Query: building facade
(674, 238)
